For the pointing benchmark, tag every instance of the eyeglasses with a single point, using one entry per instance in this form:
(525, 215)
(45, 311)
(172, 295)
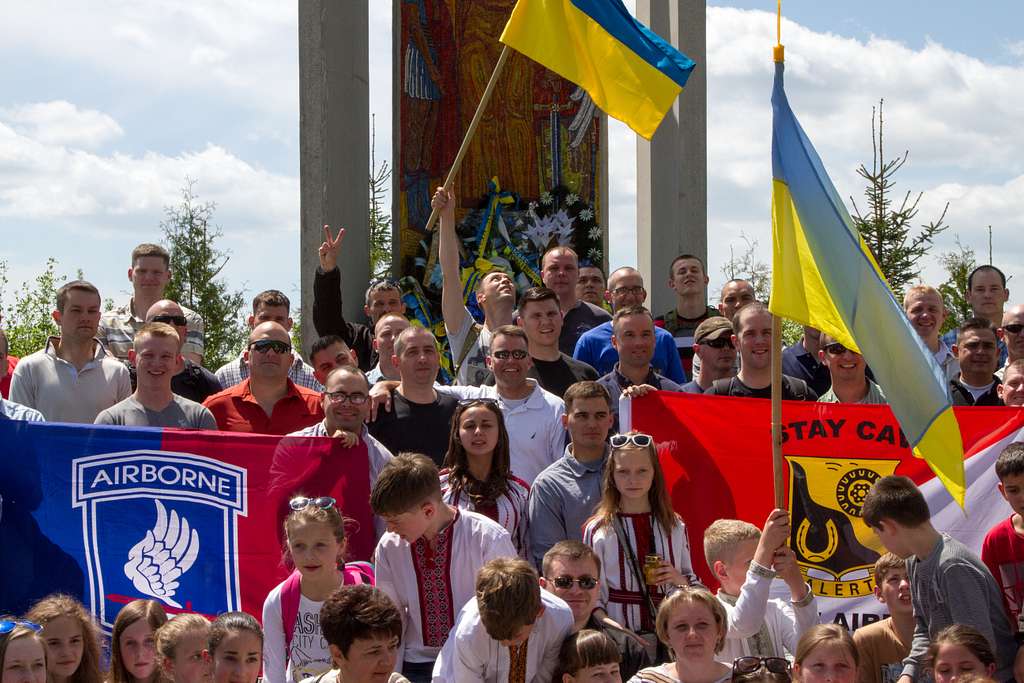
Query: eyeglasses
(619, 291)
(301, 502)
(474, 401)
(835, 349)
(720, 343)
(518, 354)
(176, 320)
(8, 625)
(267, 345)
(565, 582)
(638, 440)
(1013, 328)
(341, 397)
(748, 665)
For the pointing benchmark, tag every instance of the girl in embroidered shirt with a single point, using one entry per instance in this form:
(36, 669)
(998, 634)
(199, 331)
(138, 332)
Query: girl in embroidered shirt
(133, 644)
(182, 645)
(71, 637)
(294, 647)
(476, 475)
(635, 504)
(236, 641)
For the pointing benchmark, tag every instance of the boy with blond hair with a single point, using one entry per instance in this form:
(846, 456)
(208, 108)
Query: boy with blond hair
(744, 560)
(884, 644)
(948, 583)
(512, 631)
(427, 560)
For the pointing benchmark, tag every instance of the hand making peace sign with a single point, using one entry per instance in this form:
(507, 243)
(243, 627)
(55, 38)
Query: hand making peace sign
(329, 249)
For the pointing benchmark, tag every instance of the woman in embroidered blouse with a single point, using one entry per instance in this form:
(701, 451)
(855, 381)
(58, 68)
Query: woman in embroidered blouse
(477, 473)
(635, 504)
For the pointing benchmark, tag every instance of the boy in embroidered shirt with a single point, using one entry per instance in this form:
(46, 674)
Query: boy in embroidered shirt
(428, 559)
(1003, 548)
(512, 631)
(744, 560)
(948, 583)
(884, 644)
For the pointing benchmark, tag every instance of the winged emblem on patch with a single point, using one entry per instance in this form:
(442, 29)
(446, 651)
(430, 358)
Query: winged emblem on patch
(168, 550)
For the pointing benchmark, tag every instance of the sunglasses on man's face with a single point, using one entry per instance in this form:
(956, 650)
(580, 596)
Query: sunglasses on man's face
(1013, 328)
(835, 349)
(565, 582)
(267, 345)
(504, 354)
(301, 502)
(638, 440)
(748, 665)
(176, 320)
(719, 343)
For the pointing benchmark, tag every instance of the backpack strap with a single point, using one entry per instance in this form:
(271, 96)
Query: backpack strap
(355, 573)
(291, 593)
(467, 346)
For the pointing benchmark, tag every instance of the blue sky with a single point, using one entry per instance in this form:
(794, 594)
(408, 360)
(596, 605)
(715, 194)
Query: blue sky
(106, 110)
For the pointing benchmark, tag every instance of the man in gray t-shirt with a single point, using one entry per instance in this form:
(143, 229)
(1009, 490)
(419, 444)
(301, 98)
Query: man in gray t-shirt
(156, 354)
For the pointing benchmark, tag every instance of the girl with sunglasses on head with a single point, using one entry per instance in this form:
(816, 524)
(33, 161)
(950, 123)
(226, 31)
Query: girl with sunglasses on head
(761, 670)
(294, 647)
(71, 638)
(182, 645)
(133, 643)
(22, 652)
(641, 541)
(477, 476)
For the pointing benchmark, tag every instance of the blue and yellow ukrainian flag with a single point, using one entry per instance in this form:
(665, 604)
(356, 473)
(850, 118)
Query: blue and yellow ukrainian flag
(630, 73)
(824, 276)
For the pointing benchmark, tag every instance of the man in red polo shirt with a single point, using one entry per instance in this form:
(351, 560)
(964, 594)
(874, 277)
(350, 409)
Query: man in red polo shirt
(268, 402)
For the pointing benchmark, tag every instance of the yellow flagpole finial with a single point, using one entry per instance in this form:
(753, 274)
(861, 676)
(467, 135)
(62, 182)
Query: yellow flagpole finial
(778, 52)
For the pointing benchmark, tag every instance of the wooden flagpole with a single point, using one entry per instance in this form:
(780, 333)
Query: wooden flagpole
(777, 411)
(473, 124)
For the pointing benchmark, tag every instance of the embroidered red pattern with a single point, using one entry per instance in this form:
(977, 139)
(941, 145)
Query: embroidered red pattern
(433, 580)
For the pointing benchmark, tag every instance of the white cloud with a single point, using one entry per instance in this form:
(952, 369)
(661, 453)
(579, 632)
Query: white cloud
(62, 123)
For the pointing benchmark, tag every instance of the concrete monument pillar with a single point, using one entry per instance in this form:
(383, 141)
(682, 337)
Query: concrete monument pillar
(334, 141)
(672, 188)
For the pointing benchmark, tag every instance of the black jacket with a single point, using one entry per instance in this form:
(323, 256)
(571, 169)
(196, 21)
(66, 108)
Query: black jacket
(328, 318)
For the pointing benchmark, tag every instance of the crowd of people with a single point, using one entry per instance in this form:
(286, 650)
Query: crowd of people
(520, 536)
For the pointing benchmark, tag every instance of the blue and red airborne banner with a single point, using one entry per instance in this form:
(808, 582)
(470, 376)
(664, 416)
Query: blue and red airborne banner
(192, 519)
(717, 457)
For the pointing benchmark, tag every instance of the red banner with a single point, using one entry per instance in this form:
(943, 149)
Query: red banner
(716, 453)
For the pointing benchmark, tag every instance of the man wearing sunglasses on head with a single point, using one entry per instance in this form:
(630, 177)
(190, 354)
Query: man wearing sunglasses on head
(850, 383)
(1011, 332)
(712, 344)
(572, 572)
(268, 401)
(194, 382)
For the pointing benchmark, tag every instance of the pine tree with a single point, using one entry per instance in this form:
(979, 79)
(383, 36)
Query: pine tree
(885, 229)
(196, 263)
(958, 265)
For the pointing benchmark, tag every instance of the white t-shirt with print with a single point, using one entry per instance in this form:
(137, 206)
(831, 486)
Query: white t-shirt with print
(309, 654)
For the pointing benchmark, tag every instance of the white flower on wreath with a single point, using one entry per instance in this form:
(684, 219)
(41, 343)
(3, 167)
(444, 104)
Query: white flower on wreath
(546, 198)
(585, 214)
(557, 226)
(594, 255)
(594, 233)
(572, 199)
(532, 206)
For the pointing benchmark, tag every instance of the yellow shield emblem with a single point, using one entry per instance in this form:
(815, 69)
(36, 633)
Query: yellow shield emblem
(834, 547)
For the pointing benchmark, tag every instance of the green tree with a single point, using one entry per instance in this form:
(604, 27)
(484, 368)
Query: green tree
(29, 321)
(380, 219)
(958, 265)
(196, 264)
(886, 229)
(747, 265)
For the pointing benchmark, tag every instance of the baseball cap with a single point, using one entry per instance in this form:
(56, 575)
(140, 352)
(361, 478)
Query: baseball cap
(715, 327)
